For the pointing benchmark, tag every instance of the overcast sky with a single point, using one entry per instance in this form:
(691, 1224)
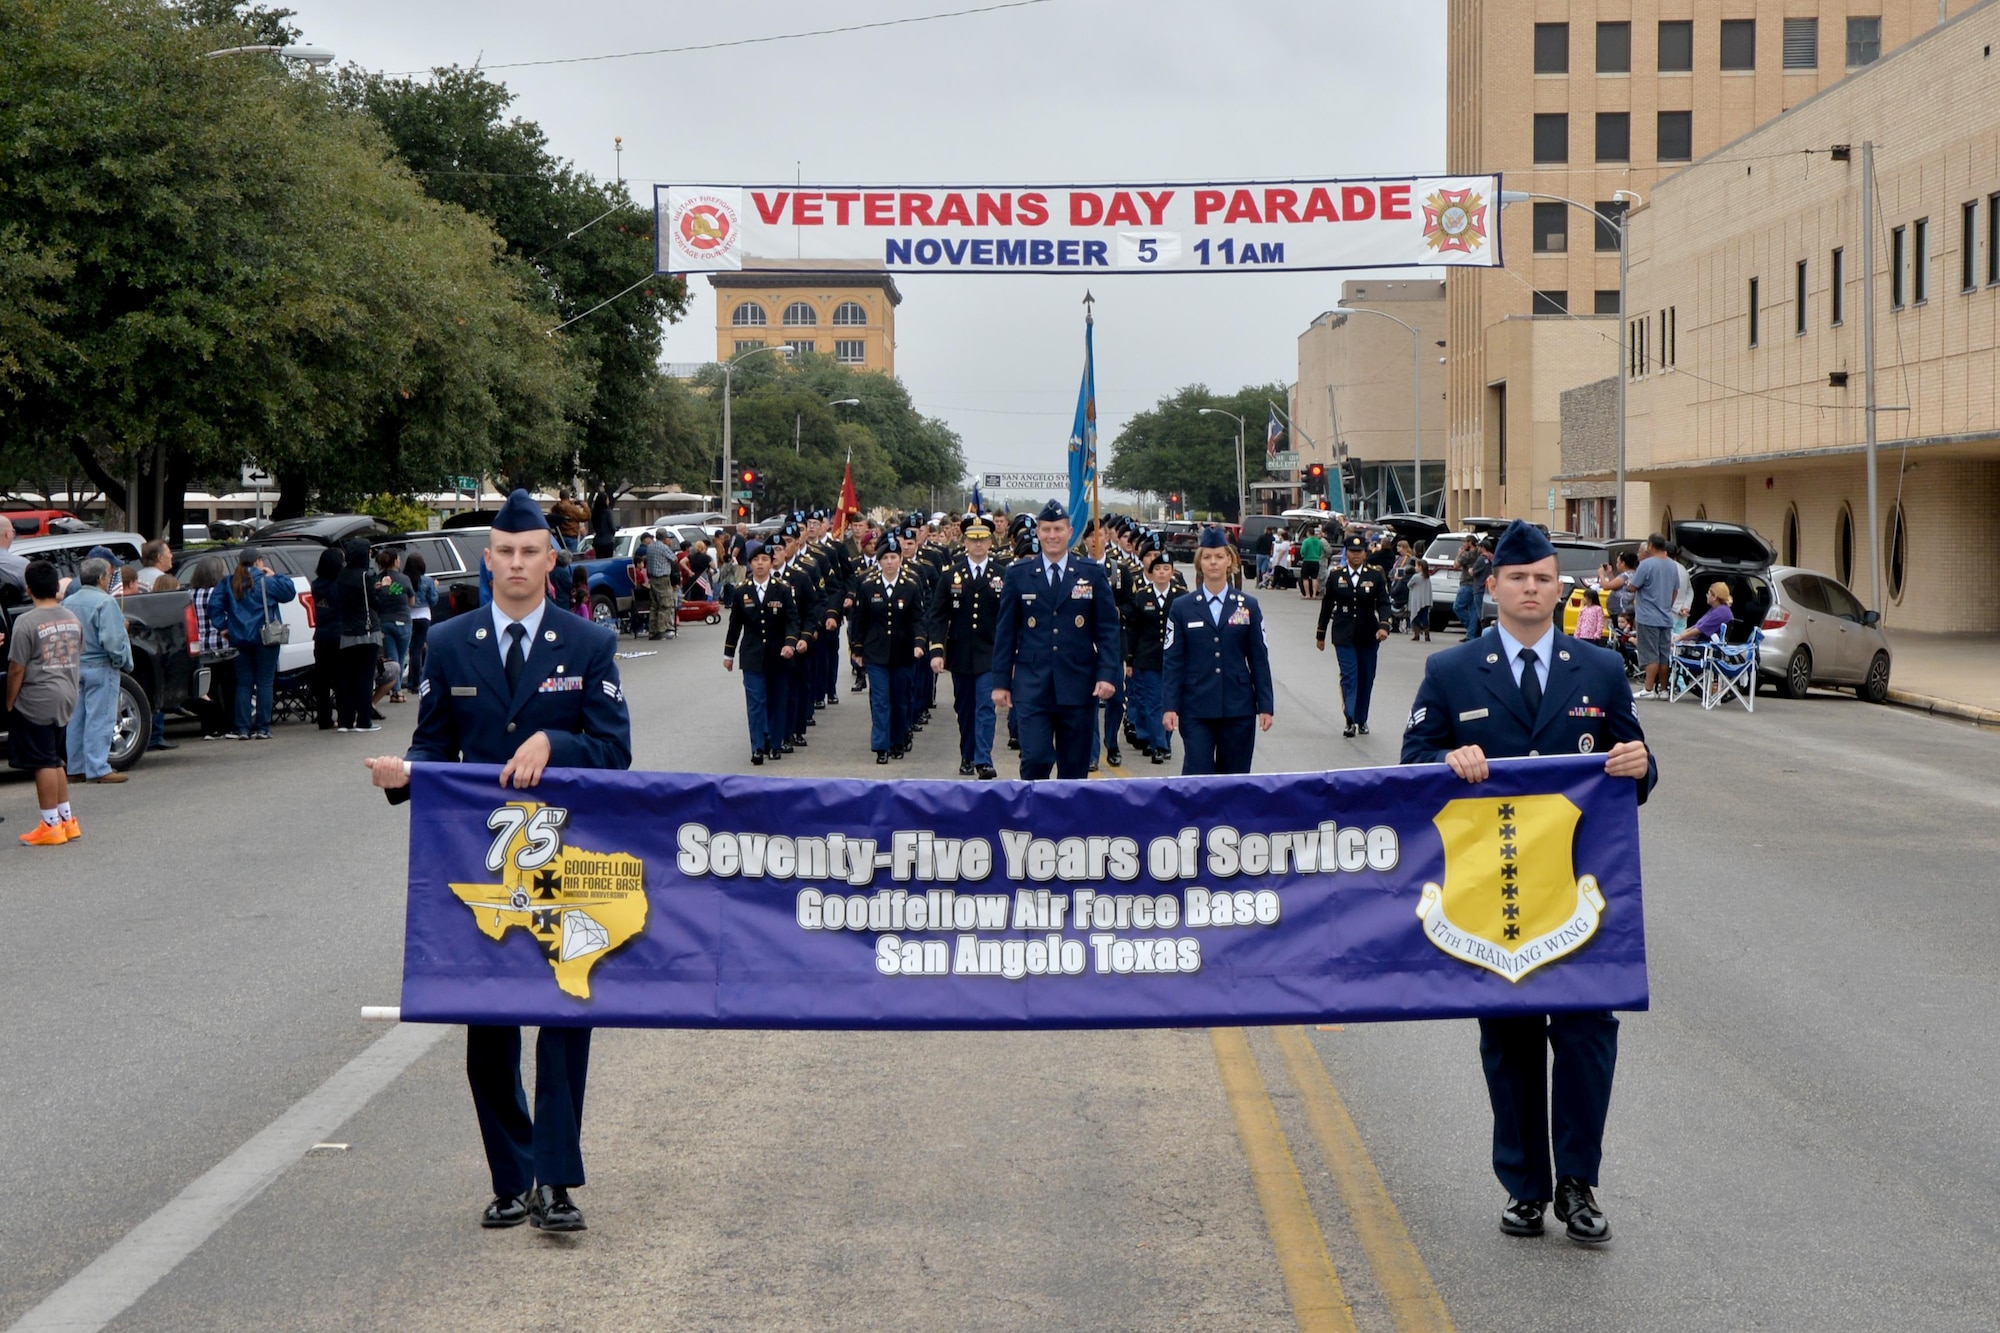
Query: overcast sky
(1080, 91)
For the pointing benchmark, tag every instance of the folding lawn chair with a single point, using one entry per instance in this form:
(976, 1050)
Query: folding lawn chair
(1688, 671)
(1733, 672)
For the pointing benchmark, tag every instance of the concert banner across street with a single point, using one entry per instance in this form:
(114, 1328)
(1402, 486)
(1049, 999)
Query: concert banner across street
(1236, 226)
(703, 901)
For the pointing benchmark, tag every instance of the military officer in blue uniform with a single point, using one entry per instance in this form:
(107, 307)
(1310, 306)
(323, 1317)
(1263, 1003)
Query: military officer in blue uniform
(763, 624)
(1356, 602)
(1523, 689)
(518, 685)
(1215, 686)
(964, 610)
(1055, 649)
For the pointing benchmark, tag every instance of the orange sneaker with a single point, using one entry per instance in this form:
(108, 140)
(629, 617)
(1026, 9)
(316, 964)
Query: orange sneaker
(45, 835)
(71, 827)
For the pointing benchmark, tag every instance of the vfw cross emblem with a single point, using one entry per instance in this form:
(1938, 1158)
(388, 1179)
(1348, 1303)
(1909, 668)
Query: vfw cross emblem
(1511, 898)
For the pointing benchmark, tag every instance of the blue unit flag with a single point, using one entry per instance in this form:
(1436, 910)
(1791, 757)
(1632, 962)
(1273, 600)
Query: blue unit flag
(1083, 437)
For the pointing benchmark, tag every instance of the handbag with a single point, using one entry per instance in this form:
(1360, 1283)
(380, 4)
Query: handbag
(373, 635)
(272, 632)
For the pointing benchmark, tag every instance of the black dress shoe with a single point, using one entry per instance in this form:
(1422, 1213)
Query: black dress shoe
(881, 756)
(756, 757)
(1159, 756)
(1093, 765)
(1522, 1217)
(505, 1211)
(550, 1209)
(1577, 1208)
(986, 773)
(799, 741)
(812, 721)
(832, 700)
(965, 770)
(1114, 757)
(1349, 732)
(786, 748)
(773, 755)
(1013, 742)
(1362, 727)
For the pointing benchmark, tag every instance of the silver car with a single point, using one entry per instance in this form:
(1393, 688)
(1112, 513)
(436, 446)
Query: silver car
(1817, 633)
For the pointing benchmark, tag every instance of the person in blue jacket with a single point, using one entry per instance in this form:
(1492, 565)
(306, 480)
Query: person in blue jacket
(244, 603)
(1055, 649)
(1215, 687)
(517, 686)
(1524, 689)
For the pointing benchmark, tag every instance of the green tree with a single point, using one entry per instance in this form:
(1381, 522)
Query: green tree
(1172, 447)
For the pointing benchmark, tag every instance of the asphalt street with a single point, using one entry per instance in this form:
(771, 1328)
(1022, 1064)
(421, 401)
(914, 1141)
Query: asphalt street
(1801, 1135)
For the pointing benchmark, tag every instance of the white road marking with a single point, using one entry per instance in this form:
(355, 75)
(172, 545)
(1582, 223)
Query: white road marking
(116, 1279)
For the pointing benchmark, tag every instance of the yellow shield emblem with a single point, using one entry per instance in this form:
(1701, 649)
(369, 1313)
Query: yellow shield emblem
(1511, 898)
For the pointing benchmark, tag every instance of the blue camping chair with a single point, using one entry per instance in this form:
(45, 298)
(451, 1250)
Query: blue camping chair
(1732, 672)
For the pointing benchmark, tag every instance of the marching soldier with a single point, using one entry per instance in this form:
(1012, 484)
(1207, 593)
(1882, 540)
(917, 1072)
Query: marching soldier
(799, 576)
(1357, 603)
(762, 625)
(1055, 650)
(1145, 639)
(964, 611)
(883, 635)
(1124, 575)
(1522, 688)
(1216, 682)
(513, 685)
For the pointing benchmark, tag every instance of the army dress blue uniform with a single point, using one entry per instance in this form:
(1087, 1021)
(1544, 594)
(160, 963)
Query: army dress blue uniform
(762, 623)
(1472, 694)
(1056, 640)
(566, 686)
(1145, 641)
(1356, 605)
(964, 613)
(1216, 677)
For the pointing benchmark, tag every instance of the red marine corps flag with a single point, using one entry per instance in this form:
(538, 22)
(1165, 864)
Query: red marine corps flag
(850, 503)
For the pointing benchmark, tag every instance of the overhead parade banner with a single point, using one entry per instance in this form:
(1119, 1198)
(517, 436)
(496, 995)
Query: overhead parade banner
(1254, 226)
(697, 901)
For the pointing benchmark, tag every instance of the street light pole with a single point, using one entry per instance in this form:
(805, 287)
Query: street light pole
(1242, 491)
(1631, 200)
(1416, 396)
(728, 384)
(316, 56)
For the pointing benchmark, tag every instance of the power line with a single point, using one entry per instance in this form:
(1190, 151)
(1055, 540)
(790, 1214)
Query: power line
(756, 41)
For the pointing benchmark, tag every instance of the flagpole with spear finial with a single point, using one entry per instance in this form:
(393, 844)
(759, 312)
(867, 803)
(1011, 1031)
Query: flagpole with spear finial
(1090, 442)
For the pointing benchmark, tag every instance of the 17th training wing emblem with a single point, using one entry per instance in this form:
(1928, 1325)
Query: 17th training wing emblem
(1511, 898)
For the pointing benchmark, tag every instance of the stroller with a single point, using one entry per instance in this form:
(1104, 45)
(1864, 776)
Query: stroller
(1626, 640)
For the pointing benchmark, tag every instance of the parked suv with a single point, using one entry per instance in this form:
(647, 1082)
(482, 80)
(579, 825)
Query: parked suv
(1817, 633)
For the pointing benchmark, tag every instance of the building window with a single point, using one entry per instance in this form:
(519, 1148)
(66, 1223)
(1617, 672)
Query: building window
(799, 315)
(1791, 552)
(1968, 245)
(1864, 42)
(748, 345)
(849, 314)
(1497, 412)
(1701, 513)
(1920, 261)
(1843, 546)
(1836, 288)
(1802, 43)
(1607, 302)
(1551, 138)
(1899, 255)
(1552, 303)
(1669, 318)
(1607, 234)
(1893, 549)
(1614, 48)
(1993, 238)
(1739, 43)
(1552, 48)
(801, 347)
(1799, 298)
(1667, 522)
(1753, 312)
(1614, 136)
(850, 351)
(749, 313)
(1676, 136)
(1676, 46)
(1551, 228)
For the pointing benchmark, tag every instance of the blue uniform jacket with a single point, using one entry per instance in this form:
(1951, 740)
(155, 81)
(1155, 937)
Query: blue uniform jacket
(569, 690)
(1216, 670)
(1051, 646)
(1469, 698)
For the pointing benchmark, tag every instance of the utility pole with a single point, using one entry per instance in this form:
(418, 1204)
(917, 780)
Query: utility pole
(1868, 361)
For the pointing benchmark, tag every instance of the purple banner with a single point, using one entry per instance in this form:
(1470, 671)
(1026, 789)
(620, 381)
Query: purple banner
(696, 900)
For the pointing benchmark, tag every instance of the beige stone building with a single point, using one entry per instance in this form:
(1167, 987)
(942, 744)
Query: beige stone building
(1747, 396)
(1584, 98)
(1357, 392)
(848, 314)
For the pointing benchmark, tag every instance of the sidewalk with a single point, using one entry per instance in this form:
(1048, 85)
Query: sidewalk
(1956, 675)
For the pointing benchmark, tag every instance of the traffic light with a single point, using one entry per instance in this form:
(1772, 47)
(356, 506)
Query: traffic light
(1316, 473)
(747, 478)
(1173, 502)
(742, 513)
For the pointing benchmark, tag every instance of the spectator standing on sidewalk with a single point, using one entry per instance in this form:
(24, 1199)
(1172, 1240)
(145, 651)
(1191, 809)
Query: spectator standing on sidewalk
(106, 652)
(155, 559)
(424, 596)
(216, 709)
(662, 574)
(13, 569)
(1653, 586)
(325, 589)
(245, 603)
(1419, 600)
(390, 594)
(360, 643)
(43, 682)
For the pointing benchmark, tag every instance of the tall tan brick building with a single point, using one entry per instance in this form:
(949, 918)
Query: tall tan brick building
(847, 313)
(1746, 393)
(1583, 98)
(1357, 372)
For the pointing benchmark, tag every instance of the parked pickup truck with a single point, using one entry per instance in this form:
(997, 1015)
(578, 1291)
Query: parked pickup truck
(166, 672)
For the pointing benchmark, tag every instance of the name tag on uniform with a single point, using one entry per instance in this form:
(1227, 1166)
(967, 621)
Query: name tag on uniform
(1586, 712)
(1027, 597)
(560, 685)
(465, 691)
(1472, 716)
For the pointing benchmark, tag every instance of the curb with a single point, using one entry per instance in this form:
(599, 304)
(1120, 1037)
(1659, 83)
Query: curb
(1926, 703)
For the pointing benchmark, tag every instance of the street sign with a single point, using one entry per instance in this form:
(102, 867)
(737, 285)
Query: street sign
(740, 495)
(255, 478)
(1025, 481)
(465, 483)
(1285, 460)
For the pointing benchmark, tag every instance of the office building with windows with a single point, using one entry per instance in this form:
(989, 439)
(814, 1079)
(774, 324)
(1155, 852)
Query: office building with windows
(848, 314)
(1584, 99)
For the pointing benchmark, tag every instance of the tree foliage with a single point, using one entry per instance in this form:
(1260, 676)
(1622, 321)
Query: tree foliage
(1171, 447)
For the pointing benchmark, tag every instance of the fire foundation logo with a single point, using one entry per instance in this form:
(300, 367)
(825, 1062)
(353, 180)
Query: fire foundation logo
(706, 231)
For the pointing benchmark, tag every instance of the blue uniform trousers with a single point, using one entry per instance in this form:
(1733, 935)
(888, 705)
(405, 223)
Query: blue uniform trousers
(521, 1152)
(777, 705)
(757, 701)
(1357, 676)
(972, 699)
(1113, 710)
(1528, 1122)
(1145, 688)
(1055, 738)
(1217, 744)
(888, 707)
